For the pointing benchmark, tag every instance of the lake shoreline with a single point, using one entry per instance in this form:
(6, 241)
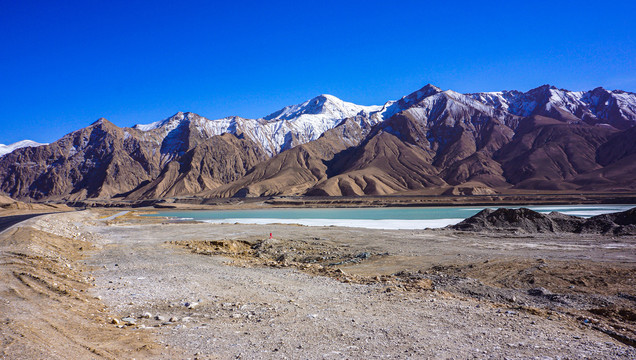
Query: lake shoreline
(510, 199)
(385, 218)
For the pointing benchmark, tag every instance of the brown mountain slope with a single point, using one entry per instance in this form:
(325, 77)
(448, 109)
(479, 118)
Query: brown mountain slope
(214, 162)
(478, 167)
(617, 147)
(442, 137)
(298, 169)
(5, 200)
(480, 143)
(618, 158)
(105, 161)
(618, 176)
(548, 154)
(100, 161)
(382, 165)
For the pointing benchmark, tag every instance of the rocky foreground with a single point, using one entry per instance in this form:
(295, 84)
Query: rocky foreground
(112, 285)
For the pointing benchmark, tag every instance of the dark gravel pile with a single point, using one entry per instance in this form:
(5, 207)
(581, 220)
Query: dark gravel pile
(528, 221)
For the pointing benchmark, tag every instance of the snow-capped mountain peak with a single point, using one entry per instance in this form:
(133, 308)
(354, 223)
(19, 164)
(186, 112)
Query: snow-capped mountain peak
(426, 91)
(5, 149)
(393, 107)
(168, 124)
(419, 95)
(324, 104)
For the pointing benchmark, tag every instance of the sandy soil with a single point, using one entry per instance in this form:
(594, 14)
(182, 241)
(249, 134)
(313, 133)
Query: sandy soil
(47, 311)
(100, 284)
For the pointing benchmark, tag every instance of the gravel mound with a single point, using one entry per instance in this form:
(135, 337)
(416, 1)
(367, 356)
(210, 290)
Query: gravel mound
(528, 221)
(621, 223)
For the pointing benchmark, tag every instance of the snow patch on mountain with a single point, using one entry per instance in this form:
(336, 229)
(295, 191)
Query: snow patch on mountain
(166, 125)
(599, 104)
(6, 149)
(514, 102)
(395, 107)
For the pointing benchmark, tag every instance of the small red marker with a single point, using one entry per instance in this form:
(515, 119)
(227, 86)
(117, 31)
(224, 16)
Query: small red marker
(270, 235)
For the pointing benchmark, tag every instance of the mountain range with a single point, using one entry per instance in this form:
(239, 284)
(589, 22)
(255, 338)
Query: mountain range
(428, 142)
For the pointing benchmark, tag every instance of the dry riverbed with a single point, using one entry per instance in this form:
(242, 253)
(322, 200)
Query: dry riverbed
(108, 284)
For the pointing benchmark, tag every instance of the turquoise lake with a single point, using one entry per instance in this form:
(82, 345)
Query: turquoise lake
(372, 218)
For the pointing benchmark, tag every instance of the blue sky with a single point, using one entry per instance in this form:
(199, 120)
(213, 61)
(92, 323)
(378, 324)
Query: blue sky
(65, 64)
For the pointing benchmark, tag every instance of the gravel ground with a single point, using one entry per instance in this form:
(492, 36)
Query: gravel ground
(108, 284)
(207, 307)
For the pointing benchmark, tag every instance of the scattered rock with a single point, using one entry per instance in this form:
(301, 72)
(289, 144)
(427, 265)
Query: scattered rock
(538, 292)
(191, 305)
(129, 320)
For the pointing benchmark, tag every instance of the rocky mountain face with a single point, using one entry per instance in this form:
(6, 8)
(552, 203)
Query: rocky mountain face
(214, 162)
(429, 140)
(298, 169)
(446, 140)
(98, 161)
(105, 161)
(441, 139)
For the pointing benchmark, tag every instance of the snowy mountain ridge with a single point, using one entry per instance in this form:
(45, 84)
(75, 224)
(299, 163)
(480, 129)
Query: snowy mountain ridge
(595, 106)
(277, 132)
(5, 149)
(298, 124)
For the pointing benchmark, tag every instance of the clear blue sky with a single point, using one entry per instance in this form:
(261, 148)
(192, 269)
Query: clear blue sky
(64, 64)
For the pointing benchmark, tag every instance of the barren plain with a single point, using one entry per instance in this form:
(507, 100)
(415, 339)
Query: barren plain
(111, 284)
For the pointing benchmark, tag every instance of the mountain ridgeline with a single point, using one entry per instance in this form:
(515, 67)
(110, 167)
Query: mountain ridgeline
(428, 142)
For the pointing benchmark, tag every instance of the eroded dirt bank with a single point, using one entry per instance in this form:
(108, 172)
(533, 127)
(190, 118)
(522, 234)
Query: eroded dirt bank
(48, 311)
(227, 291)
